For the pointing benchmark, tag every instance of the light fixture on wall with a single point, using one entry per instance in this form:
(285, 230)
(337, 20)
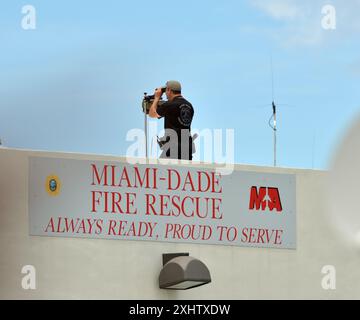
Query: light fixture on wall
(182, 272)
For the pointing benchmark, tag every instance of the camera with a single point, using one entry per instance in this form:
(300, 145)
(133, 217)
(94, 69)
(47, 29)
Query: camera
(148, 101)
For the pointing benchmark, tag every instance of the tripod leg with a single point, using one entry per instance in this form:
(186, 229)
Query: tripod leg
(146, 137)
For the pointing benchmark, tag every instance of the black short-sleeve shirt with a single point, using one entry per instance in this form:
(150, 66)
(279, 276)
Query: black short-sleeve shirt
(178, 114)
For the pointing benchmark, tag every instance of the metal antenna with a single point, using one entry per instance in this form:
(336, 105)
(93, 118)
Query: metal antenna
(272, 77)
(275, 130)
(274, 109)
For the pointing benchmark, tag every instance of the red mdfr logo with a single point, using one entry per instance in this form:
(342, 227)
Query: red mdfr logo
(264, 198)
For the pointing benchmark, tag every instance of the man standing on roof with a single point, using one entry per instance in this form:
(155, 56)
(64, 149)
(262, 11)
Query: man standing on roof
(178, 113)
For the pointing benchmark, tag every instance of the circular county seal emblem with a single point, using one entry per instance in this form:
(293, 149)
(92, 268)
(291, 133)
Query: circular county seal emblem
(52, 185)
(185, 115)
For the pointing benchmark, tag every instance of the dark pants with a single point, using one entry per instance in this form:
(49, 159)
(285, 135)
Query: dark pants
(178, 150)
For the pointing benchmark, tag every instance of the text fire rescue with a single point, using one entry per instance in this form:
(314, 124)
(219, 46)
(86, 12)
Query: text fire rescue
(115, 202)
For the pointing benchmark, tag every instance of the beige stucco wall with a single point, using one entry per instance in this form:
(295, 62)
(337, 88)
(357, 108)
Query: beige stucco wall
(109, 269)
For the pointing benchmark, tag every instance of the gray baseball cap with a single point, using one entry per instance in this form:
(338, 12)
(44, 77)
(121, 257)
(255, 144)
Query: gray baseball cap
(173, 85)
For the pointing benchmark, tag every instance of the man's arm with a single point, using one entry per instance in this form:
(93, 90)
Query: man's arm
(153, 108)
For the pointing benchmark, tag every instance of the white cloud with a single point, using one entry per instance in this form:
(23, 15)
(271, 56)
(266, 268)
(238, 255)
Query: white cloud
(278, 9)
(302, 20)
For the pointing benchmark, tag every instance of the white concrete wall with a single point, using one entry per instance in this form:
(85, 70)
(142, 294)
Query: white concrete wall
(106, 269)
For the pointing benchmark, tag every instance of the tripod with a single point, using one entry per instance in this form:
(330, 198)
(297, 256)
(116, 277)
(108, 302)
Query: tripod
(144, 106)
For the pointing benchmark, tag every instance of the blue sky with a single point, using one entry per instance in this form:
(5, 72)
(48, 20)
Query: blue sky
(75, 83)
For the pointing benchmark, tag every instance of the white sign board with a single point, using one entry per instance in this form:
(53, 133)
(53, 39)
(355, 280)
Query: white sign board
(116, 200)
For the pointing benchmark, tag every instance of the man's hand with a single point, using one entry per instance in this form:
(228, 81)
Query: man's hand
(158, 93)
(152, 111)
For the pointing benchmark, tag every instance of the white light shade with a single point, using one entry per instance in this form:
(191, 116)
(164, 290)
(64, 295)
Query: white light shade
(182, 273)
